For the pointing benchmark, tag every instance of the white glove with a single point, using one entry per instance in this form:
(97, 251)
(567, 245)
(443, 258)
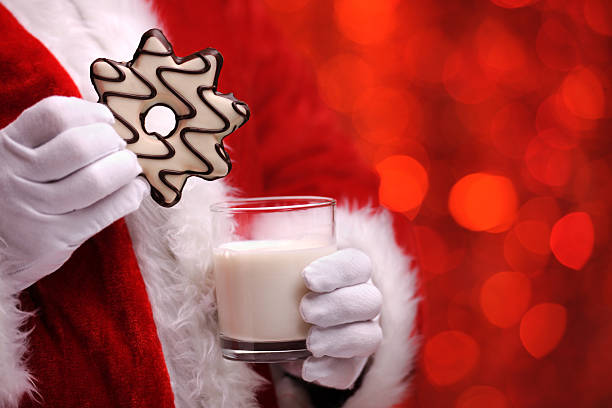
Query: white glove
(64, 175)
(343, 308)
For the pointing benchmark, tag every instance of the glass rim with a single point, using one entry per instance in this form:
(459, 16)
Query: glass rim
(243, 205)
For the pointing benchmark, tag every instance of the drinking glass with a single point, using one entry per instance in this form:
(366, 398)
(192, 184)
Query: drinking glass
(260, 247)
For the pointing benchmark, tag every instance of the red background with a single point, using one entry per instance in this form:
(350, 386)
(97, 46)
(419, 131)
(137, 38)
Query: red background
(488, 122)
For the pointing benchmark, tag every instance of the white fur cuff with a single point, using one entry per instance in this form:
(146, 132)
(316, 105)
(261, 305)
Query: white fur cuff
(372, 232)
(15, 380)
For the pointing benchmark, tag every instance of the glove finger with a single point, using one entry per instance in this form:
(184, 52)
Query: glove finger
(86, 186)
(70, 151)
(100, 215)
(53, 115)
(359, 339)
(344, 305)
(340, 373)
(342, 268)
(33, 272)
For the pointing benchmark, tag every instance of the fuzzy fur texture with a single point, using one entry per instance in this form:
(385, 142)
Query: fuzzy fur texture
(173, 246)
(386, 379)
(15, 381)
(174, 250)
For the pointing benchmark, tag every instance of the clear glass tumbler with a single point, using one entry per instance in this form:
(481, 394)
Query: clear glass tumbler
(261, 246)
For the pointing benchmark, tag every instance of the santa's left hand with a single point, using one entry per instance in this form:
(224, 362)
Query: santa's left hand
(342, 306)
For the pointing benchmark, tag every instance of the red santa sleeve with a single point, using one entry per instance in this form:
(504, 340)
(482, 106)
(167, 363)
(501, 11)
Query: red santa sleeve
(20, 56)
(293, 145)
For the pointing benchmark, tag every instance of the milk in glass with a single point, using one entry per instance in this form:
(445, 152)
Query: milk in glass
(259, 287)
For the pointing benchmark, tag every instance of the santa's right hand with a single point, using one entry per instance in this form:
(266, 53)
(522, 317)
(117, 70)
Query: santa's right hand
(65, 174)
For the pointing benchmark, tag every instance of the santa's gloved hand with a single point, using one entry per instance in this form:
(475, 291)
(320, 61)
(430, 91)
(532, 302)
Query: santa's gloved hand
(342, 306)
(64, 175)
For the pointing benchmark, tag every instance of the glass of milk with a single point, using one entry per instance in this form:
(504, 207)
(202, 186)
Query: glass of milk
(261, 246)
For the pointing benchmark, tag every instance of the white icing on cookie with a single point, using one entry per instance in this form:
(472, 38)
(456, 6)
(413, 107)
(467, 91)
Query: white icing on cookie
(187, 86)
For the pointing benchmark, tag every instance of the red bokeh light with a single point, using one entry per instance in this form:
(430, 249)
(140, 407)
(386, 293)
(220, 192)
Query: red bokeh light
(504, 297)
(569, 119)
(365, 22)
(583, 94)
(572, 239)
(553, 114)
(548, 164)
(450, 356)
(534, 235)
(400, 146)
(482, 202)
(403, 183)
(542, 328)
(521, 258)
(559, 139)
(545, 209)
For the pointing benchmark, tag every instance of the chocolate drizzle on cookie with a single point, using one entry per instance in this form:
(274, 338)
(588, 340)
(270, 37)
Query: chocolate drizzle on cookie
(225, 113)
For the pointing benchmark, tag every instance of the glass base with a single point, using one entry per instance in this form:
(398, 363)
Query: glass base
(263, 352)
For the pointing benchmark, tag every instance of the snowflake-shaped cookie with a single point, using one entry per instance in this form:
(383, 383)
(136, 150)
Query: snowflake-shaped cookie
(188, 86)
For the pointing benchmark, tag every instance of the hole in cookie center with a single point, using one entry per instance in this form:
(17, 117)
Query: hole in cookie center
(160, 119)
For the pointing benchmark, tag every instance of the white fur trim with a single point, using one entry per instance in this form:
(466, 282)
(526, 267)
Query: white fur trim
(173, 246)
(385, 382)
(15, 381)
